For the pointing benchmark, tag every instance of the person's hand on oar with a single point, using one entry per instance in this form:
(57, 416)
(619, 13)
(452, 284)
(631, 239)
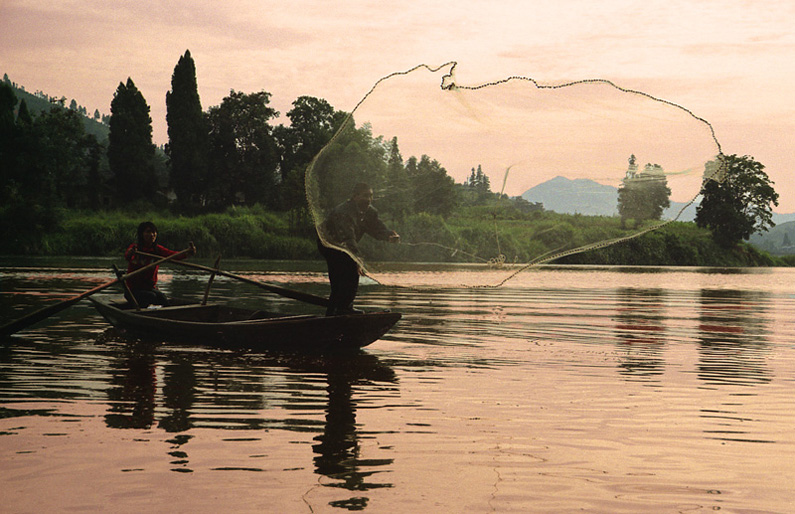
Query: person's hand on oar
(143, 290)
(287, 293)
(46, 312)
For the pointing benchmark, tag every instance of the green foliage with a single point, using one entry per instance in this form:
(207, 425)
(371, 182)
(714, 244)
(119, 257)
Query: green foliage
(437, 237)
(353, 156)
(240, 232)
(644, 196)
(676, 244)
(433, 190)
(188, 136)
(46, 163)
(8, 136)
(91, 234)
(312, 123)
(49, 164)
(8, 101)
(40, 102)
(243, 151)
(130, 149)
(396, 196)
(738, 205)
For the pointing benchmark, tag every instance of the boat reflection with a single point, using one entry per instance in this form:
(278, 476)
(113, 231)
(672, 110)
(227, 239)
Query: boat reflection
(232, 391)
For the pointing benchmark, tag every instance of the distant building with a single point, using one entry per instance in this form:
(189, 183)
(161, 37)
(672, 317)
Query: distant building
(650, 171)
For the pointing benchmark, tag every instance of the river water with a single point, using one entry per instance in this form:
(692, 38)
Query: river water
(593, 389)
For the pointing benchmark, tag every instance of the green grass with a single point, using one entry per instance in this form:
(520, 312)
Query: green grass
(476, 235)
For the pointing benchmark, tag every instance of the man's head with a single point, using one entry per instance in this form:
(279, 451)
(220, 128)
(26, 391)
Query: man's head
(362, 196)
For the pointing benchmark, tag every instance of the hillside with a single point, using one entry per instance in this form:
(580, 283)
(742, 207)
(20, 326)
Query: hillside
(42, 102)
(779, 240)
(584, 196)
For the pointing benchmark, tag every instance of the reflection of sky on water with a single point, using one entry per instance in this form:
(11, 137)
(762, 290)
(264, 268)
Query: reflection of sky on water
(465, 371)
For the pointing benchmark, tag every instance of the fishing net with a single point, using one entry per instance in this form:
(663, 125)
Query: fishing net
(510, 174)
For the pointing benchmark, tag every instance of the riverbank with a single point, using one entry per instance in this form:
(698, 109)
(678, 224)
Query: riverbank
(254, 233)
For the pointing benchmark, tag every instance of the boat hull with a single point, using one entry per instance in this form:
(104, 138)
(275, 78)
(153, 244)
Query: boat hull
(241, 328)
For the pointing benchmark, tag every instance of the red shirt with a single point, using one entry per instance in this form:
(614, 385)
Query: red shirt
(147, 279)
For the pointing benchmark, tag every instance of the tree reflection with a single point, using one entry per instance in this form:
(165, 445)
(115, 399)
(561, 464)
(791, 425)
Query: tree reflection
(640, 330)
(733, 337)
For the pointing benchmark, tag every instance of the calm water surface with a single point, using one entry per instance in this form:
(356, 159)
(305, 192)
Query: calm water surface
(568, 389)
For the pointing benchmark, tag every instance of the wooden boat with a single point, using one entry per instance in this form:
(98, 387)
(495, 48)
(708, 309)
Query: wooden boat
(236, 327)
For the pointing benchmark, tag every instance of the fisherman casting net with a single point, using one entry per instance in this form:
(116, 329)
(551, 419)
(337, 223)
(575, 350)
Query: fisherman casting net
(509, 174)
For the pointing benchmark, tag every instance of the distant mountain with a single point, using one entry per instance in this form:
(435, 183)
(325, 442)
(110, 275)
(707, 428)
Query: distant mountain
(41, 102)
(780, 219)
(584, 196)
(579, 196)
(778, 240)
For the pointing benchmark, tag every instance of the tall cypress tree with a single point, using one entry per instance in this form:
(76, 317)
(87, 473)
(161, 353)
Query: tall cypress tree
(8, 101)
(130, 149)
(187, 136)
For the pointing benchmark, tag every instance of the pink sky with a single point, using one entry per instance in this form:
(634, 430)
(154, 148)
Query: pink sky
(730, 62)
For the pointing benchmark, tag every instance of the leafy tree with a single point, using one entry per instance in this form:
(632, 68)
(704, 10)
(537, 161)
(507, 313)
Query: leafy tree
(187, 136)
(8, 101)
(47, 166)
(313, 122)
(243, 152)
(130, 149)
(8, 133)
(434, 190)
(64, 156)
(398, 195)
(643, 196)
(23, 114)
(354, 156)
(482, 183)
(738, 203)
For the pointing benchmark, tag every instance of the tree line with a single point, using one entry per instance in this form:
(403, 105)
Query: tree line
(736, 197)
(234, 154)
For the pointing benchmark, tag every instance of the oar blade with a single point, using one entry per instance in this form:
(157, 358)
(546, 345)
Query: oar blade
(34, 317)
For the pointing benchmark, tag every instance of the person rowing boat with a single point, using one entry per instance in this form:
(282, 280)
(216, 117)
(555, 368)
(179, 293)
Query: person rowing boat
(143, 286)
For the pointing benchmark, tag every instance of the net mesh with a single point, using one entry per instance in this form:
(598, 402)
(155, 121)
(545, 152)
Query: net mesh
(509, 174)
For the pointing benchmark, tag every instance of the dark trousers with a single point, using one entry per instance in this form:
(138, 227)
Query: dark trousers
(147, 297)
(343, 273)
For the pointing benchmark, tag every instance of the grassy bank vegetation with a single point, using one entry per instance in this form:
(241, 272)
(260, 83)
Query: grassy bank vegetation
(480, 234)
(476, 235)
(238, 232)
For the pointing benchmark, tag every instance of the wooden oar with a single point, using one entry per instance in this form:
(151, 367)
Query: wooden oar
(210, 282)
(127, 292)
(46, 312)
(288, 293)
